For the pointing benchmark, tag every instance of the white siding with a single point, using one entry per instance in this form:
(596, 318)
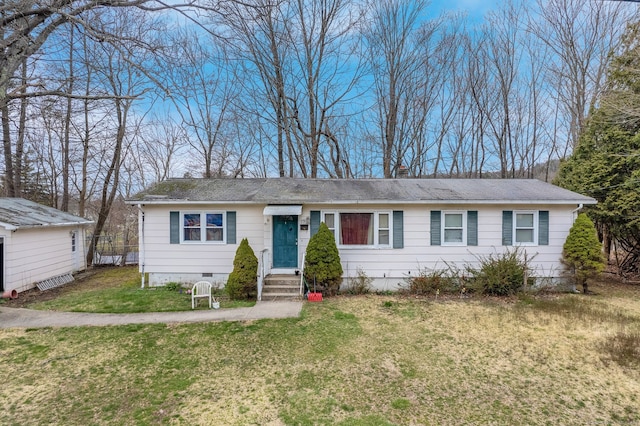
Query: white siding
(35, 254)
(176, 260)
(396, 264)
(387, 265)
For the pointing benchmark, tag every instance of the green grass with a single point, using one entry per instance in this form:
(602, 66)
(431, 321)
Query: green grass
(122, 293)
(370, 360)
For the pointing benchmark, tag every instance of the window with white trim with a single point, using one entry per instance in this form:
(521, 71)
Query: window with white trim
(206, 227)
(454, 228)
(360, 228)
(330, 221)
(384, 229)
(525, 227)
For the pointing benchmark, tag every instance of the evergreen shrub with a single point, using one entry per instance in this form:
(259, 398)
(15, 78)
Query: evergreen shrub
(582, 252)
(322, 262)
(243, 280)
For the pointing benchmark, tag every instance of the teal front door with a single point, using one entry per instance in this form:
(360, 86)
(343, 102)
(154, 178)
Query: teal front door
(285, 241)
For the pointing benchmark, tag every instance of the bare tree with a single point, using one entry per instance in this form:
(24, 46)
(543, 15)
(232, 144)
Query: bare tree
(439, 98)
(202, 86)
(506, 71)
(581, 34)
(393, 53)
(257, 33)
(121, 78)
(156, 149)
(25, 27)
(325, 73)
(298, 59)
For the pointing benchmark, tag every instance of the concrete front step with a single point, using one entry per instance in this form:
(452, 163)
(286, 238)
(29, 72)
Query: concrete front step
(281, 287)
(282, 280)
(280, 296)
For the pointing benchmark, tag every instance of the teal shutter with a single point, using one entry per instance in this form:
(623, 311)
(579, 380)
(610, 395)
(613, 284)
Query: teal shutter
(543, 228)
(315, 221)
(472, 228)
(435, 227)
(507, 228)
(231, 227)
(174, 227)
(398, 229)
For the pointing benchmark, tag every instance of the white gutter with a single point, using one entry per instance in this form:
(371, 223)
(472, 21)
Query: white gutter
(8, 226)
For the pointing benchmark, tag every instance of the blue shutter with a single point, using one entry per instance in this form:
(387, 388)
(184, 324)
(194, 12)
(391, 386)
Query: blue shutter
(507, 228)
(315, 221)
(231, 227)
(543, 228)
(398, 229)
(435, 227)
(174, 227)
(472, 228)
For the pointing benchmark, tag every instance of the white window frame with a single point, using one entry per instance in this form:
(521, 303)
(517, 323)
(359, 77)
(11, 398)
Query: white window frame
(335, 223)
(389, 228)
(376, 228)
(535, 228)
(443, 228)
(203, 227)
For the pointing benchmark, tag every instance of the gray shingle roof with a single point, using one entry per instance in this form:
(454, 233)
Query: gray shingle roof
(344, 191)
(21, 213)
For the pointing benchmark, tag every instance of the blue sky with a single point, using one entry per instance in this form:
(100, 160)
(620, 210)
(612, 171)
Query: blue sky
(474, 8)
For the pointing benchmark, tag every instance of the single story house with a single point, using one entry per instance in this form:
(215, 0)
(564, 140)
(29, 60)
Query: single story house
(189, 229)
(38, 244)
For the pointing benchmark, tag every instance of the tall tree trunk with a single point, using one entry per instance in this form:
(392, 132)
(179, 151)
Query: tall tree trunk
(64, 205)
(22, 129)
(6, 148)
(111, 181)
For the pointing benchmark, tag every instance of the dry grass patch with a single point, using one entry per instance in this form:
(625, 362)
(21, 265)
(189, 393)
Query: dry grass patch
(369, 360)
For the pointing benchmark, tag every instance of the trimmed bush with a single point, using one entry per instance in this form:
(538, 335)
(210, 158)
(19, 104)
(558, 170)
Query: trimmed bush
(243, 280)
(322, 262)
(582, 252)
(500, 274)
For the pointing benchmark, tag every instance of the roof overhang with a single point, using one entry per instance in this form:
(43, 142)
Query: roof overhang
(282, 210)
(8, 226)
(367, 202)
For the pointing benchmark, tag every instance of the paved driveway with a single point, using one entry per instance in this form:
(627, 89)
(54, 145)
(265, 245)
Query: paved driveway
(29, 318)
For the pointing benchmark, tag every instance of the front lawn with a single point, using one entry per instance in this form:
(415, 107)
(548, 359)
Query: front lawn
(367, 360)
(116, 290)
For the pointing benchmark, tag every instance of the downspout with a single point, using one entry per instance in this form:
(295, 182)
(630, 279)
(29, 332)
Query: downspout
(575, 211)
(141, 243)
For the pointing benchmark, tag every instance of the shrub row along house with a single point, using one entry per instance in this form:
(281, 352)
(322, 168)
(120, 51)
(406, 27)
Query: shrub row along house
(387, 228)
(39, 245)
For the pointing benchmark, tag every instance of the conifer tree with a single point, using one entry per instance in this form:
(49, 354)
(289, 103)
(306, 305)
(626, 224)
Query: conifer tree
(243, 280)
(582, 251)
(322, 262)
(606, 162)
